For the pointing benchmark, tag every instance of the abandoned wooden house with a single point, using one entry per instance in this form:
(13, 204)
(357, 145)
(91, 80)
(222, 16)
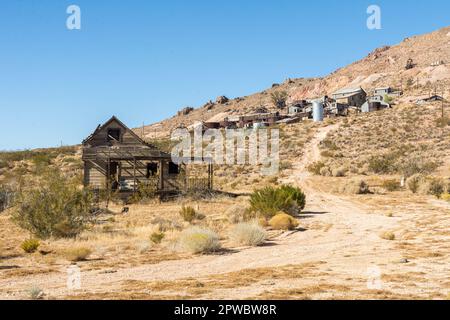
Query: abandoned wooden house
(352, 97)
(117, 159)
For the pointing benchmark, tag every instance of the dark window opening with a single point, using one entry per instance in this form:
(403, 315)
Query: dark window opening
(174, 168)
(152, 169)
(113, 134)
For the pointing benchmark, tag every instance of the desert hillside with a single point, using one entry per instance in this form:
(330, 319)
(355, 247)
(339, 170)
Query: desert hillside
(430, 54)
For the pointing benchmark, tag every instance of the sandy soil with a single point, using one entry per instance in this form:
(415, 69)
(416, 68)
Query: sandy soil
(341, 239)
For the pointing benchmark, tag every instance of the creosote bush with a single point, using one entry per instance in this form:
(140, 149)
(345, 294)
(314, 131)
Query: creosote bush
(30, 245)
(270, 200)
(57, 207)
(198, 240)
(248, 234)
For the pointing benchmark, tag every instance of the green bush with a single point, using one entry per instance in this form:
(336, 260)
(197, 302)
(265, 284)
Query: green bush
(157, 237)
(270, 200)
(188, 213)
(197, 240)
(248, 234)
(30, 245)
(57, 207)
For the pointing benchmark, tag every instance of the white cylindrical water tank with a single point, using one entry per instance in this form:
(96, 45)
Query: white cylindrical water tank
(317, 111)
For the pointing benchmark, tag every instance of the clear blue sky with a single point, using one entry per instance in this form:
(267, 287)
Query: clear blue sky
(144, 60)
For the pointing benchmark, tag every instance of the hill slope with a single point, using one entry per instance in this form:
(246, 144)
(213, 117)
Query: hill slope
(383, 67)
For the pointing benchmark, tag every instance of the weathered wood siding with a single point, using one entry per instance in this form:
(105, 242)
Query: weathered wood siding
(94, 174)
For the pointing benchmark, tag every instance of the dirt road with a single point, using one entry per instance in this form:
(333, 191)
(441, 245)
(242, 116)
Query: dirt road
(340, 234)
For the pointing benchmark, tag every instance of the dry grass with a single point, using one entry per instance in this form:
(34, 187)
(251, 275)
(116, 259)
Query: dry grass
(77, 254)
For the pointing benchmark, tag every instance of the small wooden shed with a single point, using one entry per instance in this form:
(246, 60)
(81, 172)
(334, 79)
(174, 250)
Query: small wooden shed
(116, 158)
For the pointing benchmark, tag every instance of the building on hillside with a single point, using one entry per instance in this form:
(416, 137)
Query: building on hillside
(117, 159)
(352, 97)
(298, 107)
(374, 103)
(387, 91)
(428, 99)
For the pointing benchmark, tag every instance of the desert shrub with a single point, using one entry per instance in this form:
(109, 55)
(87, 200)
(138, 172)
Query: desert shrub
(283, 221)
(316, 167)
(413, 182)
(446, 197)
(3, 164)
(236, 214)
(6, 197)
(387, 236)
(269, 201)
(417, 165)
(443, 122)
(56, 207)
(77, 254)
(329, 144)
(391, 185)
(157, 237)
(388, 99)
(188, 213)
(36, 293)
(249, 234)
(30, 245)
(145, 191)
(355, 186)
(339, 172)
(279, 99)
(197, 240)
(166, 225)
(382, 164)
(436, 187)
(42, 159)
(325, 171)
(327, 154)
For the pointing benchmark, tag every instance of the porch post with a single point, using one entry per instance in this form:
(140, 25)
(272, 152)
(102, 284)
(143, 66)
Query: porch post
(161, 174)
(134, 174)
